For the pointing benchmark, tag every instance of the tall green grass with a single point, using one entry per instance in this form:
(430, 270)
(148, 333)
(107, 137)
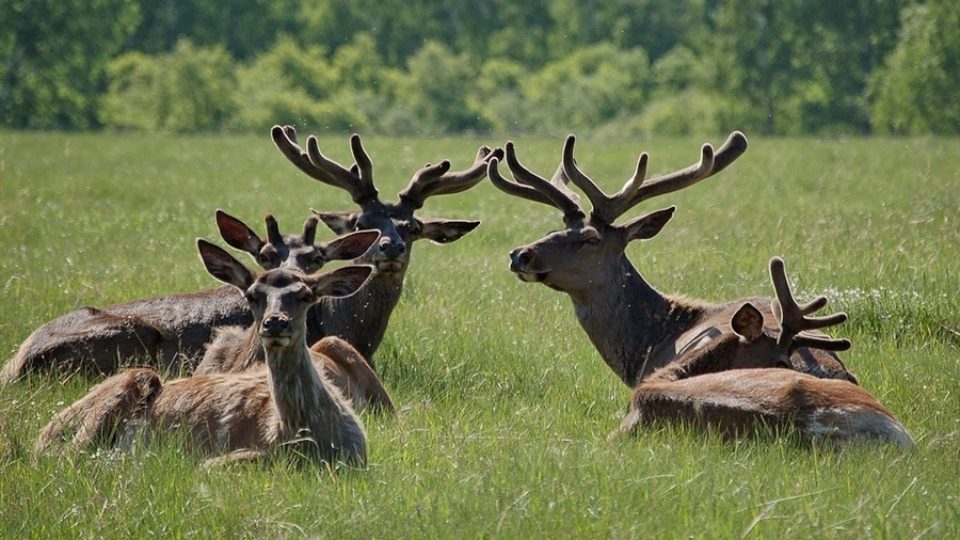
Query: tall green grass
(504, 403)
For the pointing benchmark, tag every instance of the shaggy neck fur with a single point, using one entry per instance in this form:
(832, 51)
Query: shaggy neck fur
(626, 319)
(304, 399)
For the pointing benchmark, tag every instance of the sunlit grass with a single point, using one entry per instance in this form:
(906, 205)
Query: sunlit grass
(505, 405)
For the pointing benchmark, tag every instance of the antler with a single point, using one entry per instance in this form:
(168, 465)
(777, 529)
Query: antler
(358, 180)
(435, 180)
(607, 208)
(793, 317)
(530, 186)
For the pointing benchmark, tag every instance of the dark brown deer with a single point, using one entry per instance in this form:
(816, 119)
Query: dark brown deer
(362, 319)
(170, 332)
(635, 328)
(732, 385)
(243, 415)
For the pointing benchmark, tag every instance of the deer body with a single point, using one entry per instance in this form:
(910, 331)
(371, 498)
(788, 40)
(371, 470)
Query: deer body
(739, 402)
(248, 413)
(170, 332)
(362, 319)
(634, 327)
(710, 364)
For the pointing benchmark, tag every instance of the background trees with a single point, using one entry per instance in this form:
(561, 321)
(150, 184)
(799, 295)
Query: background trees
(625, 67)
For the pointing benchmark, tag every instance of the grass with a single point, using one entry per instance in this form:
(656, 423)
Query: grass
(505, 404)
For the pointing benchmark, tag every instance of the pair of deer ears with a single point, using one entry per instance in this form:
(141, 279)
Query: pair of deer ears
(240, 236)
(441, 231)
(337, 283)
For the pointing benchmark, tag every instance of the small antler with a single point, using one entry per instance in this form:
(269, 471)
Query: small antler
(793, 317)
(607, 208)
(358, 180)
(530, 186)
(436, 180)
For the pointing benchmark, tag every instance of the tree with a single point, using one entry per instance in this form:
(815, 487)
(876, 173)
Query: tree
(916, 91)
(53, 55)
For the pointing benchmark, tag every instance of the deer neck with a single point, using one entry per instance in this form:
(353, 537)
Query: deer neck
(359, 319)
(301, 395)
(627, 319)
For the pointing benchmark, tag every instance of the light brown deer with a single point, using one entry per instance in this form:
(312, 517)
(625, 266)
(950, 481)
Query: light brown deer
(170, 332)
(734, 386)
(635, 328)
(245, 415)
(362, 319)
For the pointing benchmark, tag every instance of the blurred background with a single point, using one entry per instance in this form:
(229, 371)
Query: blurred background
(618, 68)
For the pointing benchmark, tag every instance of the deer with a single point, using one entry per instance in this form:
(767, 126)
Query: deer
(235, 416)
(362, 318)
(743, 381)
(171, 332)
(635, 328)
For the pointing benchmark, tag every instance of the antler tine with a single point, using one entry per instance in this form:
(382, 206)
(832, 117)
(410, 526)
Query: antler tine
(597, 197)
(793, 317)
(436, 180)
(358, 181)
(310, 230)
(571, 213)
(273, 231)
(711, 162)
(557, 195)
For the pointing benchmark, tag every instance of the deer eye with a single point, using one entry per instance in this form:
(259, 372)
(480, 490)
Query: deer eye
(268, 259)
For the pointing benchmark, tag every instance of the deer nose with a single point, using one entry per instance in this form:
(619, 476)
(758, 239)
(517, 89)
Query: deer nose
(520, 258)
(391, 248)
(275, 324)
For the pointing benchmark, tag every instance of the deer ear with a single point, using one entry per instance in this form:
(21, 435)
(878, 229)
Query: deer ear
(350, 246)
(748, 322)
(444, 231)
(237, 234)
(338, 222)
(649, 225)
(223, 266)
(340, 282)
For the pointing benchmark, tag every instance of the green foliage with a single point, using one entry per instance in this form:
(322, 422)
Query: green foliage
(435, 89)
(504, 402)
(192, 88)
(407, 66)
(916, 91)
(53, 55)
(589, 87)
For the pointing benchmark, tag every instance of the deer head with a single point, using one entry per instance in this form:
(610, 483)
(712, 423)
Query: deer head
(396, 222)
(577, 256)
(279, 298)
(295, 252)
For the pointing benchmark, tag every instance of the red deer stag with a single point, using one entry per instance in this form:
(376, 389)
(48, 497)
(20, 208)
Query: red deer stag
(362, 319)
(245, 415)
(714, 387)
(170, 332)
(635, 328)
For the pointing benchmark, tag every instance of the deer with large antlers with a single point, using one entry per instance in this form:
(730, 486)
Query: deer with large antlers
(635, 328)
(242, 415)
(732, 385)
(362, 319)
(171, 332)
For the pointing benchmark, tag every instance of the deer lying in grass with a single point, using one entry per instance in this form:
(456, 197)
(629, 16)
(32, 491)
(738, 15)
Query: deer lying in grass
(246, 415)
(733, 384)
(170, 332)
(635, 328)
(362, 319)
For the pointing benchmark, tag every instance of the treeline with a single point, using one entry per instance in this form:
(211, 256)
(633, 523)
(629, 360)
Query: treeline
(619, 67)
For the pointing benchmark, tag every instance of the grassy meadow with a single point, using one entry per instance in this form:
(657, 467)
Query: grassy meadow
(505, 404)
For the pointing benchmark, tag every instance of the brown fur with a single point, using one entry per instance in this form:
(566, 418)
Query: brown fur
(232, 351)
(249, 414)
(168, 332)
